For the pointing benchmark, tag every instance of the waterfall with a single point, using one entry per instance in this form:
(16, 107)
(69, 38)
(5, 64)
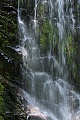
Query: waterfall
(44, 63)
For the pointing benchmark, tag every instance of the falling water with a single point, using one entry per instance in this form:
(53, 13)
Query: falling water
(45, 77)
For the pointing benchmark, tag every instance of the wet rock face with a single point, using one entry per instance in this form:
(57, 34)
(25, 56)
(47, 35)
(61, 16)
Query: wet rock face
(13, 108)
(9, 59)
(9, 9)
(35, 118)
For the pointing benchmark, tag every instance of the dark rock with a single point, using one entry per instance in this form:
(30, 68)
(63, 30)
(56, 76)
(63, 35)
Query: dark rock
(13, 101)
(5, 57)
(35, 118)
(14, 49)
(9, 8)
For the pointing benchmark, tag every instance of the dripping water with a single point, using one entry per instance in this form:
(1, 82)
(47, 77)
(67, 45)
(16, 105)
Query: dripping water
(45, 78)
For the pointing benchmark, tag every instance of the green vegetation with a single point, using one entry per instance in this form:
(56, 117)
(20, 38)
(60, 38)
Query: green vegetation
(1, 100)
(9, 59)
(47, 35)
(45, 30)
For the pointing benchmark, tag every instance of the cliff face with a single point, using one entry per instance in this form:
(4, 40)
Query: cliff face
(9, 58)
(10, 102)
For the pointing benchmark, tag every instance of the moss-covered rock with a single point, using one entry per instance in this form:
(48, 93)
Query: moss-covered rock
(11, 101)
(1, 100)
(9, 59)
(9, 62)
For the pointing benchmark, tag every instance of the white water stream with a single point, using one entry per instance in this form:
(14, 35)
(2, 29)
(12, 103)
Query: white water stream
(51, 94)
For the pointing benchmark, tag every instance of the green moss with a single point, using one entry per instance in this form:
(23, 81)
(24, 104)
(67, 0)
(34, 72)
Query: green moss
(1, 100)
(8, 37)
(40, 10)
(46, 35)
(1, 118)
(26, 4)
(8, 29)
